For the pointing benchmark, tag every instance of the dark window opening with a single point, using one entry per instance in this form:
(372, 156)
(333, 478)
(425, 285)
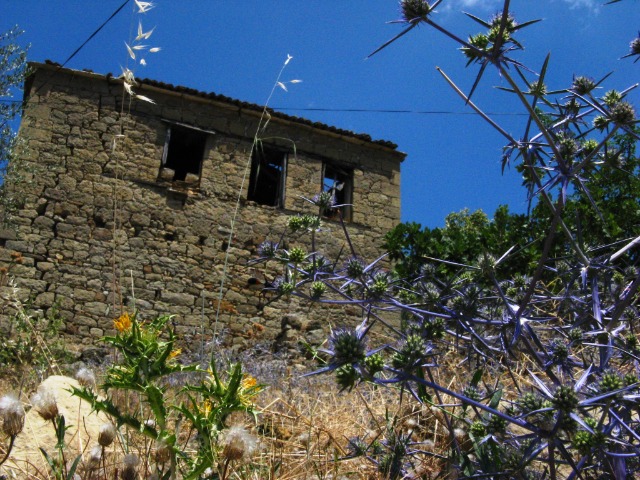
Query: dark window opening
(268, 175)
(338, 181)
(183, 153)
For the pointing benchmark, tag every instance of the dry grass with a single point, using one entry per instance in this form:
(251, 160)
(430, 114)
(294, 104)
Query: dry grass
(305, 425)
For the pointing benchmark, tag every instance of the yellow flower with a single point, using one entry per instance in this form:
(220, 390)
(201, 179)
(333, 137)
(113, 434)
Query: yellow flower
(247, 382)
(206, 408)
(174, 353)
(248, 388)
(122, 323)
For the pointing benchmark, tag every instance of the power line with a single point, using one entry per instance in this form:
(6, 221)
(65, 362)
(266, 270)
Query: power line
(366, 110)
(75, 52)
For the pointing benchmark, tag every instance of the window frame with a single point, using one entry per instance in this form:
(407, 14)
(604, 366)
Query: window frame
(268, 153)
(345, 195)
(172, 126)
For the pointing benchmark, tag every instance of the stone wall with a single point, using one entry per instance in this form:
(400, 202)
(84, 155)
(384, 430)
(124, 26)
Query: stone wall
(101, 227)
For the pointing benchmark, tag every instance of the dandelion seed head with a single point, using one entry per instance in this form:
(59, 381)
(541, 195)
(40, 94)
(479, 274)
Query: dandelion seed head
(163, 451)
(130, 463)
(106, 434)
(86, 377)
(239, 443)
(12, 415)
(44, 401)
(93, 458)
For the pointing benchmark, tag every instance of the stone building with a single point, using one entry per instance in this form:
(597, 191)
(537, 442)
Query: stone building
(130, 204)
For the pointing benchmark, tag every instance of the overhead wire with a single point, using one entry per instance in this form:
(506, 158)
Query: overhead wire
(364, 110)
(75, 52)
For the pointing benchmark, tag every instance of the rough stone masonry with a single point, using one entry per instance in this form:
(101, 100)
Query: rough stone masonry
(129, 205)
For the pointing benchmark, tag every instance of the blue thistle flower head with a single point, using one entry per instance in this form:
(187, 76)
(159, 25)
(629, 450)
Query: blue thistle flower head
(267, 249)
(347, 346)
(354, 267)
(324, 200)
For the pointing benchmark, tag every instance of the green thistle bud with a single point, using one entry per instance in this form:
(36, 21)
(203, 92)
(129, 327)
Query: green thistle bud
(346, 377)
(494, 35)
(583, 85)
(630, 379)
(411, 351)
(286, 288)
(565, 399)
(575, 335)
(295, 223)
(567, 147)
(379, 286)
(347, 346)
(618, 278)
(472, 393)
(567, 423)
(520, 281)
(434, 329)
(481, 44)
(496, 20)
(538, 88)
(631, 342)
(324, 200)
(355, 267)
(589, 146)
(582, 441)
(311, 222)
(297, 255)
(530, 402)
(559, 352)
(610, 381)
(496, 424)
(623, 113)
(611, 98)
(487, 264)
(374, 363)
(600, 122)
(317, 290)
(414, 10)
(477, 430)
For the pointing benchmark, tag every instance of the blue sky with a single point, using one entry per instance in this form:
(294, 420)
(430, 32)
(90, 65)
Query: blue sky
(236, 48)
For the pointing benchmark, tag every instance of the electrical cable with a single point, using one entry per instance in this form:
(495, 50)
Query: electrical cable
(365, 110)
(75, 52)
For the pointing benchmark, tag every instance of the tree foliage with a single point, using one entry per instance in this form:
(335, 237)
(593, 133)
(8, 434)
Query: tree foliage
(13, 71)
(606, 211)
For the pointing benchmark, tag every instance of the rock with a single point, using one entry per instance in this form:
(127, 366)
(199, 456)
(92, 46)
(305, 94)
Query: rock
(26, 456)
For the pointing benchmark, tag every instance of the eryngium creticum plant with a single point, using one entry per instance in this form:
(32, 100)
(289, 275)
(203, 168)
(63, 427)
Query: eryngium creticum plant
(551, 355)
